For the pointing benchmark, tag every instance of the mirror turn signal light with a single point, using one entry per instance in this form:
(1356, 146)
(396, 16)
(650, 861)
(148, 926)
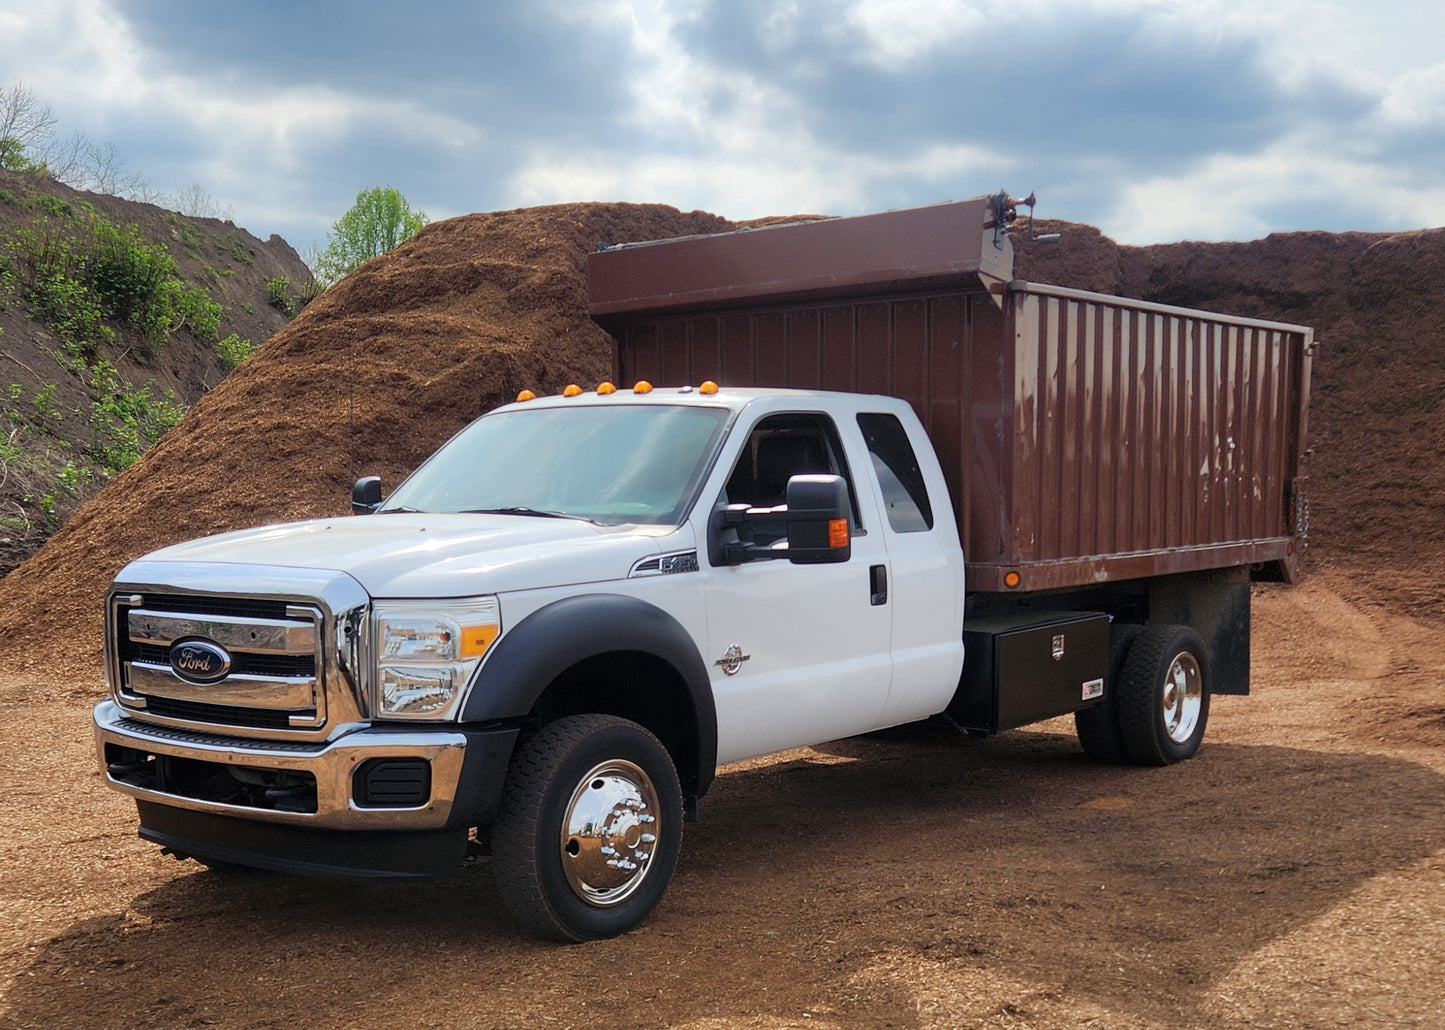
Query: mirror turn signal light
(837, 532)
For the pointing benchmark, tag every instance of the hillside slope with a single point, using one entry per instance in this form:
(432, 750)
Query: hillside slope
(382, 368)
(85, 386)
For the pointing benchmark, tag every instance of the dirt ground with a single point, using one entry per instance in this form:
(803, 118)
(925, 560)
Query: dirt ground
(1292, 875)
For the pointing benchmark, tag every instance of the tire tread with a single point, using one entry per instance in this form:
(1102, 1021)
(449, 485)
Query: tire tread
(1141, 728)
(516, 861)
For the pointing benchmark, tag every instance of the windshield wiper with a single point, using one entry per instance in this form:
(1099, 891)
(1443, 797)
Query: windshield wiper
(403, 510)
(540, 513)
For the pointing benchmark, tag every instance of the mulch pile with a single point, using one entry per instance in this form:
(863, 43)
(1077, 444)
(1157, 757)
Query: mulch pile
(371, 377)
(382, 368)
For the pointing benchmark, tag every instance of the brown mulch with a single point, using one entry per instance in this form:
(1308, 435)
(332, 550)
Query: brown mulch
(385, 366)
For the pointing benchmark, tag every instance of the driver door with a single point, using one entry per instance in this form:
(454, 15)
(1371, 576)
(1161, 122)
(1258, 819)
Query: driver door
(798, 654)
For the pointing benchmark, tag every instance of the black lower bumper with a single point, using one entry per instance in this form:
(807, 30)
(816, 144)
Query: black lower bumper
(367, 854)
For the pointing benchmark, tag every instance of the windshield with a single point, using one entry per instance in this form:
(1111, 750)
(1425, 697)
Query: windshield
(606, 463)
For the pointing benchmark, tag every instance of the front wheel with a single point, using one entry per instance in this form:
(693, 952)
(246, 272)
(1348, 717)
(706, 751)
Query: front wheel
(1163, 700)
(589, 828)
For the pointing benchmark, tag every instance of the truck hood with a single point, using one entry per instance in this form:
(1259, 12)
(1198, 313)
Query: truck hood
(430, 555)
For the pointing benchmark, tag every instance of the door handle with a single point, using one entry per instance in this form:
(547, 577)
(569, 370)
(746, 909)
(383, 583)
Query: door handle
(877, 584)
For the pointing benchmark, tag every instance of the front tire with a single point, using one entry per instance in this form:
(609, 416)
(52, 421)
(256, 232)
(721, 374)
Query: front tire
(589, 828)
(1163, 702)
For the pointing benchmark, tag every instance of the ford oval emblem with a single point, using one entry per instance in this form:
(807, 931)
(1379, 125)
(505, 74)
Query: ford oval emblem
(200, 661)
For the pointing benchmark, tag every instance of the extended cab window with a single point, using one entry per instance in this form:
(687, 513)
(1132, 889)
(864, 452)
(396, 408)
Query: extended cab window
(905, 498)
(783, 446)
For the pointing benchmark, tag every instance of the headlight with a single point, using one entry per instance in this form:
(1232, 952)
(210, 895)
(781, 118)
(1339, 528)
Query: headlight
(426, 652)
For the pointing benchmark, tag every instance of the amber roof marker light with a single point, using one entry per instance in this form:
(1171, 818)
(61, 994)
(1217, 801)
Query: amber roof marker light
(572, 390)
(526, 395)
(603, 389)
(642, 386)
(708, 387)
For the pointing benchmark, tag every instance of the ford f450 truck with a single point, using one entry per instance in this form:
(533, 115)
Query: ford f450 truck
(924, 489)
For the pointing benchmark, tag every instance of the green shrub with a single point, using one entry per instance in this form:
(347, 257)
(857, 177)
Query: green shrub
(54, 206)
(78, 279)
(234, 350)
(9, 197)
(309, 292)
(278, 294)
(185, 307)
(125, 420)
(73, 311)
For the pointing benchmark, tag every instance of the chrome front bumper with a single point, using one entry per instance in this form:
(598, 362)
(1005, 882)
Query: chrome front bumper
(132, 756)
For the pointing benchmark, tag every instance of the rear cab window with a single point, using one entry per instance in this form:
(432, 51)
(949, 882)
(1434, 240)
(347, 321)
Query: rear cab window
(905, 497)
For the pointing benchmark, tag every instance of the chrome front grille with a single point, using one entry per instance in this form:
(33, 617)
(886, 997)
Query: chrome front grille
(276, 649)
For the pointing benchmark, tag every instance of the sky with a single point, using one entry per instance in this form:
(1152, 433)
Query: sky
(1155, 120)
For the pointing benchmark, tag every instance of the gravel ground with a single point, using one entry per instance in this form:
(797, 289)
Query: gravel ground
(1292, 875)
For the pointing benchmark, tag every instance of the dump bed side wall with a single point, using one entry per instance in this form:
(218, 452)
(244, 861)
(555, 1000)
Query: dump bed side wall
(1138, 440)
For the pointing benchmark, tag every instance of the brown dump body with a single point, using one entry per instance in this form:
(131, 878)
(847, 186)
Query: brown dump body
(1084, 438)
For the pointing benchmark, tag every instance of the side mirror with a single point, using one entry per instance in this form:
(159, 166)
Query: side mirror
(366, 495)
(818, 527)
(813, 523)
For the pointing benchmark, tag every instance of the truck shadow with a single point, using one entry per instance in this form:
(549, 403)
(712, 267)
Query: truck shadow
(1132, 890)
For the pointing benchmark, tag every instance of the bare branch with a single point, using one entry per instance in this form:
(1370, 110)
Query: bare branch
(25, 120)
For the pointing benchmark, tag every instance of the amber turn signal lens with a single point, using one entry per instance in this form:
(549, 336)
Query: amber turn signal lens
(837, 532)
(603, 389)
(526, 395)
(643, 386)
(572, 390)
(708, 387)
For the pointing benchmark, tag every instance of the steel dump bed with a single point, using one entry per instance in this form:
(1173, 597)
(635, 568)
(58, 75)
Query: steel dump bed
(1085, 438)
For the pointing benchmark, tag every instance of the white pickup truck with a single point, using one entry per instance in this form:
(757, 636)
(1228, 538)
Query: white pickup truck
(544, 643)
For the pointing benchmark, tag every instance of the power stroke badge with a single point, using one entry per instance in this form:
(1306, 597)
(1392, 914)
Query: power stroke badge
(732, 660)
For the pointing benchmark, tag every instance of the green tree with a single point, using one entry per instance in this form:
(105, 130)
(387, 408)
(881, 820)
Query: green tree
(378, 222)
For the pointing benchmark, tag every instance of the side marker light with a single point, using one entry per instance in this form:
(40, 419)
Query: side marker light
(1012, 579)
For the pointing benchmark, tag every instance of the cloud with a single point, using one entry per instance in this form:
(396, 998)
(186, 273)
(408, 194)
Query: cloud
(1144, 116)
(1301, 182)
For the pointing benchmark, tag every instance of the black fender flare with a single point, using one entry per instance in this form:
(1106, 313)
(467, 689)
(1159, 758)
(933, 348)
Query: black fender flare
(559, 635)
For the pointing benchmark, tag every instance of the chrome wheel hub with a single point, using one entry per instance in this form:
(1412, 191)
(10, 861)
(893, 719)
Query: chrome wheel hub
(1183, 697)
(609, 833)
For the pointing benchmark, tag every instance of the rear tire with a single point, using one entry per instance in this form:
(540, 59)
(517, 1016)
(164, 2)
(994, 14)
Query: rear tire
(1098, 727)
(589, 828)
(1163, 702)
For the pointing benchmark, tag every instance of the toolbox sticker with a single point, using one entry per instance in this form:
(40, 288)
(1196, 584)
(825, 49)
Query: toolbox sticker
(1093, 689)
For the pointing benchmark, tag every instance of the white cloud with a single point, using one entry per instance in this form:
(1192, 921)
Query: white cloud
(748, 131)
(238, 142)
(772, 177)
(1239, 197)
(1416, 98)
